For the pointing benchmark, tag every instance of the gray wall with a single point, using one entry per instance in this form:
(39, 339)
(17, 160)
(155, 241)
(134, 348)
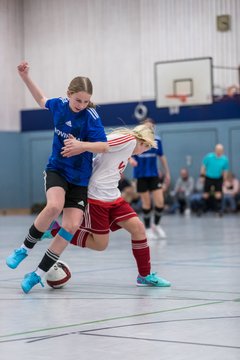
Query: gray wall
(114, 42)
(192, 141)
(25, 155)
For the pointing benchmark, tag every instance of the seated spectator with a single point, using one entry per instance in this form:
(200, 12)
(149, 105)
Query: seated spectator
(238, 200)
(183, 190)
(230, 191)
(196, 199)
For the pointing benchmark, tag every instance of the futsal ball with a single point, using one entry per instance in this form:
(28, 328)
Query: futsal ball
(58, 275)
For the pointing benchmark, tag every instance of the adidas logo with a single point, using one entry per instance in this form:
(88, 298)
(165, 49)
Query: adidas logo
(68, 123)
(81, 203)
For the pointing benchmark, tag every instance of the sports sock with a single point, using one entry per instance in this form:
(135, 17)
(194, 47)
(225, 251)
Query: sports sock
(147, 217)
(141, 253)
(32, 238)
(157, 214)
(217, 205)
(40, 272)
(80, 238)
(48, 260)
(26, 248)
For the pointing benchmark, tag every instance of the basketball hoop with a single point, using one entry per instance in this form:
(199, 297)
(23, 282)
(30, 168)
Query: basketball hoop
(181, 98)
(175, 109)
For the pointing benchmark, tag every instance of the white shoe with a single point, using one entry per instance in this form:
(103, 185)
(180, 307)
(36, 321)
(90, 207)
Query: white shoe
(187, 212)
(159, 231)
(150, 234)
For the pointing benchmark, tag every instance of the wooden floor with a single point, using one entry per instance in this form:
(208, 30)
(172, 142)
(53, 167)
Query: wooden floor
(102, 315)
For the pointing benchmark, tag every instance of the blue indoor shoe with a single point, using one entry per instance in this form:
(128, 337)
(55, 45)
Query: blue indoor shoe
(16, 257)
(152, 280)
(30, 280)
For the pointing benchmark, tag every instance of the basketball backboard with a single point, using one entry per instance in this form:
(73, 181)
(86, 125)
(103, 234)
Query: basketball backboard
(184, 82)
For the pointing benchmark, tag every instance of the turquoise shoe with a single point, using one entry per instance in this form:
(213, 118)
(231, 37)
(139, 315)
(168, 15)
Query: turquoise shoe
(152, 280)
(16, 257)
(30, 280)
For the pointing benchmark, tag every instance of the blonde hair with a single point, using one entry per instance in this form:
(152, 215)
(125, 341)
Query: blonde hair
(141, 132)
(81, 83)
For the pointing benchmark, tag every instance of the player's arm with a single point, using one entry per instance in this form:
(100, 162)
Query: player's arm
(40, 98)
(164, 163)
(203, 171)
(72, 147)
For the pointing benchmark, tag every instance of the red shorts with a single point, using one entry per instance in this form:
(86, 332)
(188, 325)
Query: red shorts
(102, 216)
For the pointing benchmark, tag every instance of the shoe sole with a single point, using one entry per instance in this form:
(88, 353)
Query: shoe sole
(152, 285)
(24, 290)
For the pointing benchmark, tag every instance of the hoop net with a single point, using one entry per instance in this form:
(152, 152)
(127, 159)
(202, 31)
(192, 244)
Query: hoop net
(175, 109)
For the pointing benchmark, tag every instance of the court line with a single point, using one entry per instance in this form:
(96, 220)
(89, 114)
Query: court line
(124, 297)
(110, 319)
(164, 341)
(87, 332)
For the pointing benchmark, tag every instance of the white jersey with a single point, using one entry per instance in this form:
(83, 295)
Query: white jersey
(107, 167)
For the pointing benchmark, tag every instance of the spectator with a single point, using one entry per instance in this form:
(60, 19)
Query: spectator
(183, 190)
(196, 199)
(215, 166)
(230, 190)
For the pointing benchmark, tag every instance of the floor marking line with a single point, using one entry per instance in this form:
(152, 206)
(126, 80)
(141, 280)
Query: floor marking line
(110, 319)
(165, 341)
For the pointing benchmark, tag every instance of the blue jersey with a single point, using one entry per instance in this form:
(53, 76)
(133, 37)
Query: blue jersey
(215, 165)
(84, 126)
(147, 161)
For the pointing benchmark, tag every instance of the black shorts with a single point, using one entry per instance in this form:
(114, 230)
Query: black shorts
(75, 197)
(148, 184)
(213, 185)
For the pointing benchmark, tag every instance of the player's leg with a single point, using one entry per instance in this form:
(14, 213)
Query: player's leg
(141, 253)
(158, 201)
(218, 184)
(147, 213)
(70, 222)
(206, 193)
(55, 201)
(75, 200)
(94, 230)
(85, 239)
(218, 203)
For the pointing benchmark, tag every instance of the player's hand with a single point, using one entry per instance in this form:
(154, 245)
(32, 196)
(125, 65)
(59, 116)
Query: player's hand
(133, 162)
(167, 180)
(23, 68)
(72, 147)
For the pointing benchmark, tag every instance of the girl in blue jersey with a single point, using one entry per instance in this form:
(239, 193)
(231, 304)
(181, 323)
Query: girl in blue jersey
(66, 179)
(149, 185)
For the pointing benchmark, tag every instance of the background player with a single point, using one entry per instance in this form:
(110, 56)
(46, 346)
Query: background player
(149, 185)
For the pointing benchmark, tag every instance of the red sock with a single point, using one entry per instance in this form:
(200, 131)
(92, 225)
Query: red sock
(54, 232)
(141, 253)
(80, 238)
